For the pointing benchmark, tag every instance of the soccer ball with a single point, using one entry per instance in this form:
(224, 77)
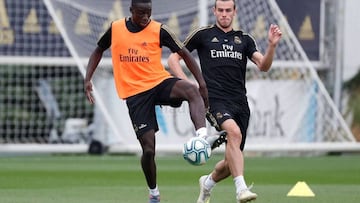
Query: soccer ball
(197, 151)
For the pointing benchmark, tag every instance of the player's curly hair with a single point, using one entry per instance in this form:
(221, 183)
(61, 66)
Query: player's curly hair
(140, 1)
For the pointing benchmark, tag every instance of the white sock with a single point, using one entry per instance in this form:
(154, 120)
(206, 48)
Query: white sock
(209, 182)
(201, 132)
(155, 191)
(239, 184)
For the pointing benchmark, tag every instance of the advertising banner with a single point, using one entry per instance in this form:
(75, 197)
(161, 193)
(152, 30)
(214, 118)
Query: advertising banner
(281, 112)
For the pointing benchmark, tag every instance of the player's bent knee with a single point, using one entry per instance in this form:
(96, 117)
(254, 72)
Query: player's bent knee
(192, 92)
(234, 135)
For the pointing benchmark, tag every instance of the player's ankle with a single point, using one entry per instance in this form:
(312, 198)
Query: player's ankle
(201, 132)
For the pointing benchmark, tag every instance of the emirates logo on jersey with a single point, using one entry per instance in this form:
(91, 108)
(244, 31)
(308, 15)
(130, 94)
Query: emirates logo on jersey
(133, 55)
(227, 52)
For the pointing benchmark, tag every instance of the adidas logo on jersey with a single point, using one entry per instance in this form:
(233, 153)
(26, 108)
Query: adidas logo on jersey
(214, 40)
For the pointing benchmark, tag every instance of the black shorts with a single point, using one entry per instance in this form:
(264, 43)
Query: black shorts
(222, 110)
(142, 106)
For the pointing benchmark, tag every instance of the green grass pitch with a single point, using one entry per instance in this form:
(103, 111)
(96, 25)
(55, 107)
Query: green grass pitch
(119, 179)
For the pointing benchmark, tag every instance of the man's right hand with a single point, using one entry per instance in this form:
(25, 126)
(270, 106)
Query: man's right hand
(88, 92)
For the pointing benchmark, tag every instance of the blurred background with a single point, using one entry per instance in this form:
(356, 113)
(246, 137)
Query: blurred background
(309, 99)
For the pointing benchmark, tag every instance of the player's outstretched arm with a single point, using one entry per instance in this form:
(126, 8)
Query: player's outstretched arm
(264, 62)
(91, 67)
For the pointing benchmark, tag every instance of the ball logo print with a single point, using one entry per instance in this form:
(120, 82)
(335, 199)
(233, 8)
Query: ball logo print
(197, 151)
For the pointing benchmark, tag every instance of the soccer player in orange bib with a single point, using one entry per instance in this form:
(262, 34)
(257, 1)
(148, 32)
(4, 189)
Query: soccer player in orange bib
(136, 44)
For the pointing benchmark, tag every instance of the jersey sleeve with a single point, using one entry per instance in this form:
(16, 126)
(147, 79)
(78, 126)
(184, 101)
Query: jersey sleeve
(169, 39)
(251, 46)
(193, 40)
(105, 40)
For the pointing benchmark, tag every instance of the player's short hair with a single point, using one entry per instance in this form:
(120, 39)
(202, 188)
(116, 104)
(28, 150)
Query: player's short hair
(140, 1)
(226, 0)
